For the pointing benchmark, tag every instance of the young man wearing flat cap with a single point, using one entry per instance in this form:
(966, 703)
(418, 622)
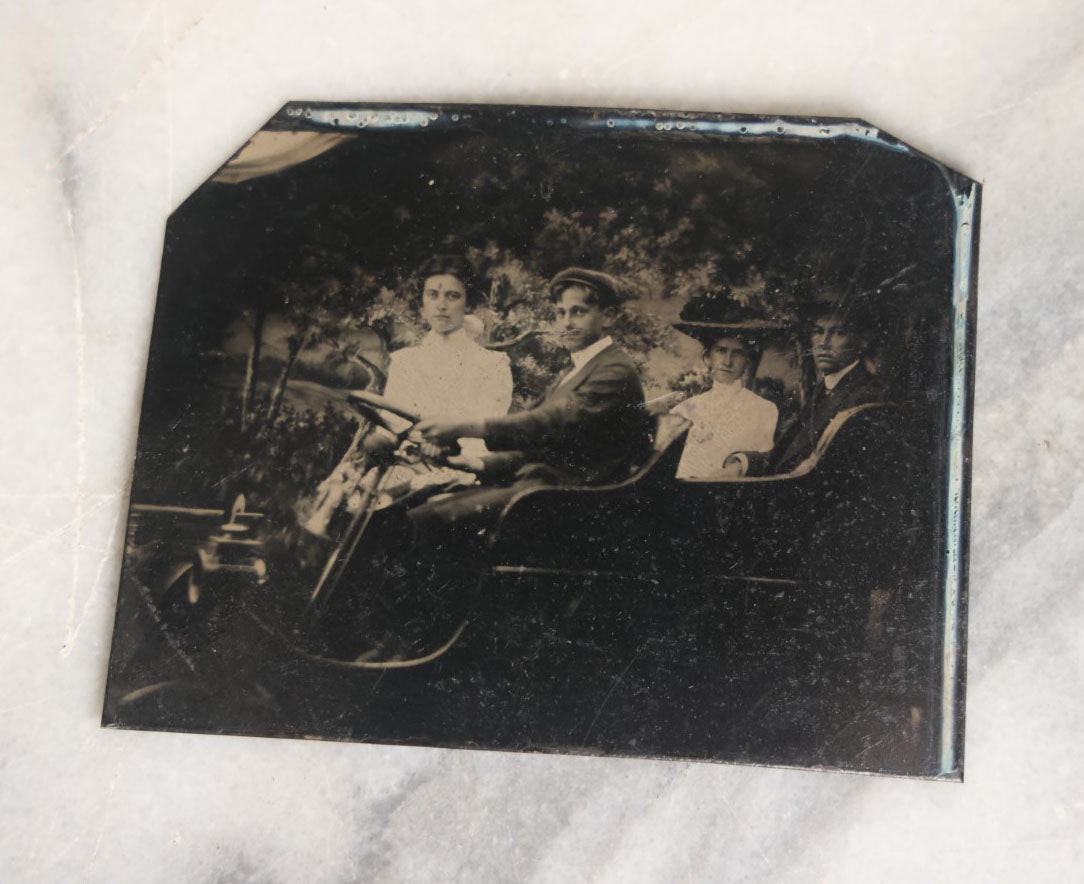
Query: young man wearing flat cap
(839, 332)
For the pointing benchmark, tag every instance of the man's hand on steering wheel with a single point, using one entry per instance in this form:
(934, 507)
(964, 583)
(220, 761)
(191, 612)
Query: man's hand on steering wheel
(448, 429)
(438, 433)
(468, 462)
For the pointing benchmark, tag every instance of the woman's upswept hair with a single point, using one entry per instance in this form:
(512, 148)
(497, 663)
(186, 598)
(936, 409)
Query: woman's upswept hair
(452, 265)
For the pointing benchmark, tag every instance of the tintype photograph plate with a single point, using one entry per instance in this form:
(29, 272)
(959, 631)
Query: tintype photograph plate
(631, 433)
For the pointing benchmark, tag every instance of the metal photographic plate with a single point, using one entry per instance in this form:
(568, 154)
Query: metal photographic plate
(615, 432)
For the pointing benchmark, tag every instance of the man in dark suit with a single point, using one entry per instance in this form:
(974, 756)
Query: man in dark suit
(839, 335)
(591, 428)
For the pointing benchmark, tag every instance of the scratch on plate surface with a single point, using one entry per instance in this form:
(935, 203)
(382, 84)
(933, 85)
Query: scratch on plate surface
(609, 693)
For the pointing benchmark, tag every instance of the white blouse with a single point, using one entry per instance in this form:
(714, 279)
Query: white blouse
(726, 419)
(451, 375)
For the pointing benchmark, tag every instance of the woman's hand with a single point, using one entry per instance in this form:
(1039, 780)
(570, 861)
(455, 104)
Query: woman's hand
(736, 465)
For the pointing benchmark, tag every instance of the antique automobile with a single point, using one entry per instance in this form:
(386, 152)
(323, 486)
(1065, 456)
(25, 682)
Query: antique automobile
(744, 617)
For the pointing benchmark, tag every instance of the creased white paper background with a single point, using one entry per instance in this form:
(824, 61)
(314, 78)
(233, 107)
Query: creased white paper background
(115, 111)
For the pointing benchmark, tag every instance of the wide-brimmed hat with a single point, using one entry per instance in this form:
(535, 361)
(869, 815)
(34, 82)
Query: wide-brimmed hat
(707, 318)
(608, 289)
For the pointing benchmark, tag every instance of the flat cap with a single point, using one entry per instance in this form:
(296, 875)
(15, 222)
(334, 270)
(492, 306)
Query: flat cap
(607, 287)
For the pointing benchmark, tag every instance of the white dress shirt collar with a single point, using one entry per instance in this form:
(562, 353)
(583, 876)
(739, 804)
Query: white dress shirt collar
(581, 357)
(830, 380)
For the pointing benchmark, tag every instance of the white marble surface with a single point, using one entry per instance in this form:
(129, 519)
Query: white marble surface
(114, 111)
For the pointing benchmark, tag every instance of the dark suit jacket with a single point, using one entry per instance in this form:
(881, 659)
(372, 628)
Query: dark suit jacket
(796, 443)
(591, 430)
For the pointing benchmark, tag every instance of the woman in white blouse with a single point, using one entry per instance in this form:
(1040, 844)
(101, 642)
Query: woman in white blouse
(449, 372)
(729, 417)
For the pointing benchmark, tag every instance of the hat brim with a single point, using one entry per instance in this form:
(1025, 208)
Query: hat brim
(707, 333)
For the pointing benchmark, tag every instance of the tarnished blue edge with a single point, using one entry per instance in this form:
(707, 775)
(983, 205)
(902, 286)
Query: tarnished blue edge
(347, 118)
(965, 203)
(965, 196)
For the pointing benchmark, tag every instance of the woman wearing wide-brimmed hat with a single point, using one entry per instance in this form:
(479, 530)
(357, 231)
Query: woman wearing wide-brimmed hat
(729, 417)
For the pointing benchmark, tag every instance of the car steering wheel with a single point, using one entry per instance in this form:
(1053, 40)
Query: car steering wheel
(372, 407)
